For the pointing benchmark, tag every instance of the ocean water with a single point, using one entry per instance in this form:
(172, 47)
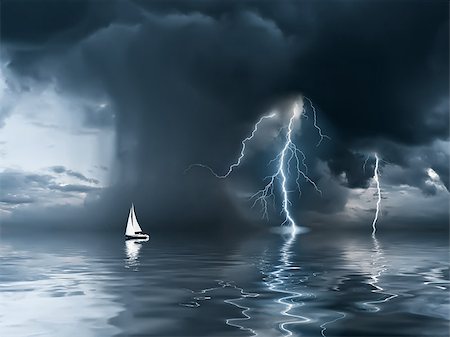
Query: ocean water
(315, 284)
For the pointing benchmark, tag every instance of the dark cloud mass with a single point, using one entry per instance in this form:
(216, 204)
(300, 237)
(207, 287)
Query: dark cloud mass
(61, 169)
(186, 80)
(24, 187)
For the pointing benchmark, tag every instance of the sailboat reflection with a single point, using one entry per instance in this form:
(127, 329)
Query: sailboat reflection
(132, 249)
(282, 281)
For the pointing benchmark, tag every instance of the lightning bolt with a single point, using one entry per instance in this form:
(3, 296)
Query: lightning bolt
(377, 181)
(241, 155)
(319, 130)
(288, 154)
(365, 163)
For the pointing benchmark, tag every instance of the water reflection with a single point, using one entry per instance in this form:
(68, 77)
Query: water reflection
(48, 294)
(324, 325)
(377, 269)
(283, 280)
(437, 277)
(200, 295)
(203, 295)
(132, 249)
(245, 311)
(312, 285)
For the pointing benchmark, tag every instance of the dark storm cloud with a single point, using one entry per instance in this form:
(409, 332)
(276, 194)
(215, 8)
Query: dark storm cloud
(98, 117)
(19, 187)
(187, 80)
(413, 164)
(375, 76)
(15, 200)
(352, 165)
(61, 169)
(36, 22)
(58, 169)
(73, 188)
(4, 113)
(16, 186)
(375, 68)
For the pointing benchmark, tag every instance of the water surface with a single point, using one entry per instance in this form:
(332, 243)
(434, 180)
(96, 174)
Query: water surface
(269, 285)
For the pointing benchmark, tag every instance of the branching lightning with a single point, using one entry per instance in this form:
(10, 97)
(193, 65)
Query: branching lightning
(319, 130)
(241, 155)
(288, 154)
(365, 163)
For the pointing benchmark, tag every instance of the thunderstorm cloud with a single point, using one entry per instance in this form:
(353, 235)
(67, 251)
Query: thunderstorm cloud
(105, 103)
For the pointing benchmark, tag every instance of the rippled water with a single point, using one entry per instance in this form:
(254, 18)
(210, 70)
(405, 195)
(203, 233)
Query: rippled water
(312, 285)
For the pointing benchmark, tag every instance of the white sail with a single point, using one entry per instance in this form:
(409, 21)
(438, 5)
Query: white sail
(130, 228)
(136, 226)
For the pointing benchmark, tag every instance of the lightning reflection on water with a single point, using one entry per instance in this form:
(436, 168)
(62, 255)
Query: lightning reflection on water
(378, 268)
(280, 281)
(200, 296)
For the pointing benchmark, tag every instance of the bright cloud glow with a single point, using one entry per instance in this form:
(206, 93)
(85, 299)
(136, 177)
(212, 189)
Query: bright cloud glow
(43, 127)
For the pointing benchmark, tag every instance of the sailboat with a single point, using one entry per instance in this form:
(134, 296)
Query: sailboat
(133, 230)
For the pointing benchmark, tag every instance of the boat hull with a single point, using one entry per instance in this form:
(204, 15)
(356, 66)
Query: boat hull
(137, 236)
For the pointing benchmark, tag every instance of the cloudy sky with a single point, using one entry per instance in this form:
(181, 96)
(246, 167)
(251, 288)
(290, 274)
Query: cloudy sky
(107, 102)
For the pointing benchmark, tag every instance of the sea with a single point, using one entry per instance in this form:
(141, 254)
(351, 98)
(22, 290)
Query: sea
(313, 284)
